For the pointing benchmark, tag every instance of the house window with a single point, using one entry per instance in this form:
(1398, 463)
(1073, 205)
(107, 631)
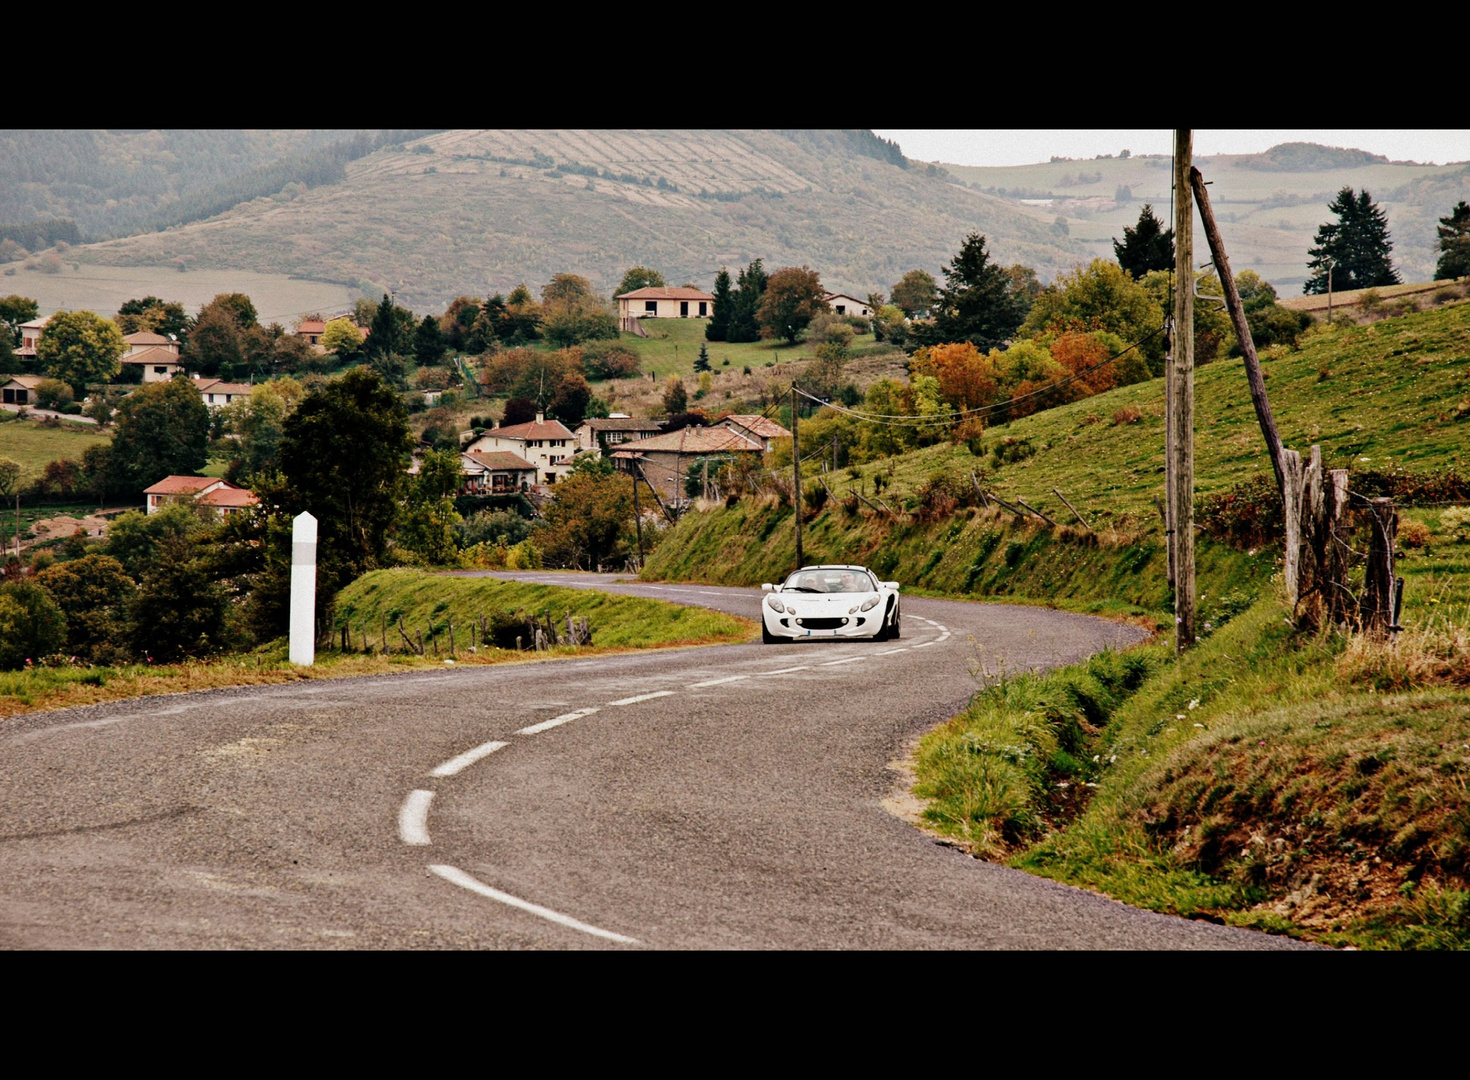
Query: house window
(160, 371)
(684, 311)
(651, 307)
(703, 309)
(842, 309)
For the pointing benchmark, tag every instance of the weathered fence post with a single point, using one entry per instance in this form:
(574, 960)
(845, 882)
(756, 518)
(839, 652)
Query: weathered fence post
(1291, 513)
(1378, 577)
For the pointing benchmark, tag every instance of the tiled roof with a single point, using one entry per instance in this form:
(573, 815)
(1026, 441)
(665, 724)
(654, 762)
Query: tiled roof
(154, 355)
(146, 337)
(30, 382)
(659, 292)
(219, 386)
(182, 485)
(228, 496)
(500, 460)
(546, 429)
(693, 440)
(758, 425)
(626, 423)
(311, 326)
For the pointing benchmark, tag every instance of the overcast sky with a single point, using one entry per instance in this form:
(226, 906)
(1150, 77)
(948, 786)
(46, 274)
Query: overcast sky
(1020, 146)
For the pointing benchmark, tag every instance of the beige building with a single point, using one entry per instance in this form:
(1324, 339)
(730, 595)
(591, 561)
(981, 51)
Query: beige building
(600, 434)
(546, 444)
(212, 493)
(842, 304)
(658, 302)
(158, 364)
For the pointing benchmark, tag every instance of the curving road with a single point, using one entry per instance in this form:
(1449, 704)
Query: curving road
(717, 798)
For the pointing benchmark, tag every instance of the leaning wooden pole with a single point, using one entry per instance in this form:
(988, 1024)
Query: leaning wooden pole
(1253, 376)
(796, 473)
(1182, 412)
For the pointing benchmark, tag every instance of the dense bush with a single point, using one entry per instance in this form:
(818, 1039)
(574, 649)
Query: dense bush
(1248, 515)
(32, 626)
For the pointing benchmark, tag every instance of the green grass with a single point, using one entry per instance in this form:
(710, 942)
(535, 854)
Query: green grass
(672, 346)
(618, 623)
(35, 444)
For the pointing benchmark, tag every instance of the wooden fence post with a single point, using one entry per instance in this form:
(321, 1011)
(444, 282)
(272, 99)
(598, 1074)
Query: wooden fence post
(1378, 579)
(1291, 513)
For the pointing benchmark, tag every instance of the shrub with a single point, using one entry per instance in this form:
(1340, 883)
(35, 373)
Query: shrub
(1010, 449)
(523, 556)
(1445, 295)
(1409, 488)
(1129, 414)
(1413, 534)
(31, 624)
(1247, 515)
(1370, 303)
(53, 394)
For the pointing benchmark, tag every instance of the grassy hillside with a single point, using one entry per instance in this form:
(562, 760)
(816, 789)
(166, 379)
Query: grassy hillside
(481, 211)
(1268, 205)
(35, 444)
(1308, 784)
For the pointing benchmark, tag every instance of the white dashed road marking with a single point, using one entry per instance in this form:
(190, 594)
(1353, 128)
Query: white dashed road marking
(464, 881)
(465, 760)
(413, 818)
(717, 682)
(846, 660)
(642, 697)
(545, 725)
(787, 670)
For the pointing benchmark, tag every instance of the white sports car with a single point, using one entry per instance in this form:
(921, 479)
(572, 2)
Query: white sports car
(830, 602)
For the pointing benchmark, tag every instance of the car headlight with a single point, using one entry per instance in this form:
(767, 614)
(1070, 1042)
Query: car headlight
(870, 602)
(776, 605)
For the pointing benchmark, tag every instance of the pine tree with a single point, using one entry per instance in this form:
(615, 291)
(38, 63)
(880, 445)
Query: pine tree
(719, 316)
(1356, 247)
(749, 290)
(1147, 246)
(1454, 243)
(701, 362)
(976, 302)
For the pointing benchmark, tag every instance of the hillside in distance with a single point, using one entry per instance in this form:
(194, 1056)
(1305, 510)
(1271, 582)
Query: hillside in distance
(1268, 205)
(477, 212)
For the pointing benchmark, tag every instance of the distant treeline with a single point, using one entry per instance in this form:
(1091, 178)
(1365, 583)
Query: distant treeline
(35, 235)
(325, 166)
(856, 140)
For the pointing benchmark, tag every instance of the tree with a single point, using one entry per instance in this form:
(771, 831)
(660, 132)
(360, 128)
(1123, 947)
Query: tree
(179, 610)
(390, 332)
(10, 477)
(701, 362)
(976, 304)
(258, 422)
(915, 293)
(590, 522)
(1147, 246)
(428, 527)
(341, 336)
(14, 311)
(1356, 247)
(639, 277)
(569, 403)
(215, 341)
(749, 289)
(522, 323)
(239, 306)
(31, 624)
(518, 410)
(344, 453)
(1100, 296)
(428, 341)
(1454, 243)
(155, 316)
(80, 347)
(93, 593)
(793, 297)
(675, 398)
(162, 430)
(721, 309)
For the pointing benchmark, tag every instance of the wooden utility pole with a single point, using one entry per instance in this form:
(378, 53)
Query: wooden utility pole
(638, 522)
(1181, 418)
(796, 473)
(1253, 376)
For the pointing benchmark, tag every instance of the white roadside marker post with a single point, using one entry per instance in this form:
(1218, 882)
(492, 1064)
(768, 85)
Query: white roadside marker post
(303, 590)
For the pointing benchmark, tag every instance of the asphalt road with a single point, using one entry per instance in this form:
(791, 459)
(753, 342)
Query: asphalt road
(716, 798)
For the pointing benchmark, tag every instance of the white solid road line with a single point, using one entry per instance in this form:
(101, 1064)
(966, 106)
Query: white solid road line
(785, 670)
(925, 644)
(717, 682)
(413, 819)
(890, 652)
(576, 714)
(458, 877)
(465, 760)
(642, 697)
(847, 660)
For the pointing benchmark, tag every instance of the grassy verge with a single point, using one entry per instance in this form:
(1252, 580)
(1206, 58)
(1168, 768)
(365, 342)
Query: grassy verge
(619, 624)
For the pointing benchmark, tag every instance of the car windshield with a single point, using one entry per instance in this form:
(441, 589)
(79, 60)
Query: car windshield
(829, 581)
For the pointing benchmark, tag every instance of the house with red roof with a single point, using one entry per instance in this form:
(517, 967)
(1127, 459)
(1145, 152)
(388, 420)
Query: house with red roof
(659, 302)
(547, 444)
(756, 428)
(209, 492)
(665, 460)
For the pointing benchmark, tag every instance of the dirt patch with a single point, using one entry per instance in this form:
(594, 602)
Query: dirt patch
(58, 528)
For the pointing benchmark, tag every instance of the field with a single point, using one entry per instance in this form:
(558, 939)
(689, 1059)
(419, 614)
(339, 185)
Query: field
(34, 444)
(278, 298)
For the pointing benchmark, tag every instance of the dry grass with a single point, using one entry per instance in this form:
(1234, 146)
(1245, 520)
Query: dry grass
(1436, 652)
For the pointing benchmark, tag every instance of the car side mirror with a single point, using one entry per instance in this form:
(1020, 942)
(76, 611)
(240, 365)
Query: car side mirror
(767, 587)
(891, 585)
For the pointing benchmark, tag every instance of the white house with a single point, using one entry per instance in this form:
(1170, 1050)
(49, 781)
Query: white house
(843, 304)
(220, 496)
(546, 444)
(658, 302)
(158, 364)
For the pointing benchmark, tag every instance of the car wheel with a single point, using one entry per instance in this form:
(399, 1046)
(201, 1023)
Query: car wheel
(768, 637)
(894, 633)
(885, 632)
